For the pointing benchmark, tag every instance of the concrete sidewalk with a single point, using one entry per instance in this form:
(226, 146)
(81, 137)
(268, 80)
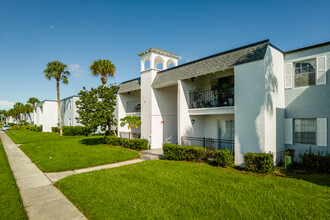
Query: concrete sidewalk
(40, 198)
(54, 177)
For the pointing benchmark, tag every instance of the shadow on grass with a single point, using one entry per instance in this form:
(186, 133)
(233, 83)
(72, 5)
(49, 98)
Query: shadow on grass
(322, 179)
(92, 141)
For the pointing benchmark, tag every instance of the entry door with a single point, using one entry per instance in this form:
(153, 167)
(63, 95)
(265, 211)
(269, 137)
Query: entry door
(226, 129)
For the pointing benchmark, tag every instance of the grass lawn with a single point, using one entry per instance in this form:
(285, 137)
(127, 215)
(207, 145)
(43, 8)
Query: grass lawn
(182, 190)
(25, 136)
(52, 153)
(11, 206)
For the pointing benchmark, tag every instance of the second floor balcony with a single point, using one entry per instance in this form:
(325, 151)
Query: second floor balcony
(133, 106)
(211, 98)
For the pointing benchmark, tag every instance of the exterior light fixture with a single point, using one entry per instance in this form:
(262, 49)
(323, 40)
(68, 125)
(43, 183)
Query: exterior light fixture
(192, 121)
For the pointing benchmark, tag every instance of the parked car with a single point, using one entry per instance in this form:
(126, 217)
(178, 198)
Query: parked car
(5, 127)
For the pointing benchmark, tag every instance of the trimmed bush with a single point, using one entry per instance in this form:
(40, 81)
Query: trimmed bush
(74, 130)
(36, 128)
(198, 154)
(224, 158)
(135, 144)
(316, 162)
(259, 162)
(55, 130)
(188, 153)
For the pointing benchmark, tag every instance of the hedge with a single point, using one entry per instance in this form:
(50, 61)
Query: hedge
(36, 128)
(135, 144)
(71, 130)
(55, 130)
(197, 154)
(26, 127)
(259, 162)
(316, 162)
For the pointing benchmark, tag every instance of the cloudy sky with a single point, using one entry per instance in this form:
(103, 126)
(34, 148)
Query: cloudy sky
(77, 32)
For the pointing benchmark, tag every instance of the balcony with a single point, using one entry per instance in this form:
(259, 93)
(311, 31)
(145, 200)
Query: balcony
(210, 98)
(210, 143)
(129, 135)
(133, 107)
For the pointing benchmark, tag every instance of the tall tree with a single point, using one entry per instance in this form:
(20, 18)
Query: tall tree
(18, 109)
(33, 101)
(28, 109)
(96, 108)
(10, 113)
(58, 71)
(104, 68)
(4, 115)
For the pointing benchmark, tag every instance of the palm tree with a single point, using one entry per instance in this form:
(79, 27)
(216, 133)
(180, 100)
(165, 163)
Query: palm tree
(104, 68)
(10, 113)
(57, 70)
(28, 109)
(18, 110)
(4, 115)
(33, 101)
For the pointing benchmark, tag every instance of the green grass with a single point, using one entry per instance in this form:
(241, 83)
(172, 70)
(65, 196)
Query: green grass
(11, 206)
(25, 136)
(52, 153)
(182, 190)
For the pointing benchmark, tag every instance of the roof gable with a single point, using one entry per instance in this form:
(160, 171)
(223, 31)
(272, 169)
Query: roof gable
(211, 64)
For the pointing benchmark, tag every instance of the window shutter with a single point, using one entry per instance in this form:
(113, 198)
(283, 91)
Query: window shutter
(288, 131)
(288, 75)
(322, 132)
(321, 71)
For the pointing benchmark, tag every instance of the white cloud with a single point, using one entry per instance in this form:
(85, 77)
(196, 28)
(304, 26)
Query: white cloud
(76, 70)
(51, 26)
(6, 105)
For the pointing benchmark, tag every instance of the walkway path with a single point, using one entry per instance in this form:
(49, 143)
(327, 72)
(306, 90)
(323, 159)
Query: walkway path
(54, 177)
(40, 198)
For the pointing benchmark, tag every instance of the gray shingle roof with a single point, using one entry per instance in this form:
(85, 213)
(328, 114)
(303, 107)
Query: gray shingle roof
(211, 64)
(130, 85)
(160, 51)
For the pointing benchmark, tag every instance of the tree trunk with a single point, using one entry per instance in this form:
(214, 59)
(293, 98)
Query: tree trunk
(30, 118)
(59, 104)
(104, 81)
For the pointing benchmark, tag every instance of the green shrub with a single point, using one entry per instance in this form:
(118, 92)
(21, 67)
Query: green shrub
(198, 154)
(224, 158)
(135, 144)
(317, 162)
(259, 162)
(55, 130)
(188, 153)
(74, 131)
(36, 128)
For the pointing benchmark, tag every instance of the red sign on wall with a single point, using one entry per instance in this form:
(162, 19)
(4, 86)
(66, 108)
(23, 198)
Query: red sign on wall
(162, 122)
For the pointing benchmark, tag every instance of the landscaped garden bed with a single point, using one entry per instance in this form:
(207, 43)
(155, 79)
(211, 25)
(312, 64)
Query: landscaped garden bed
(11, 206)
(52, 153)
(185, 190)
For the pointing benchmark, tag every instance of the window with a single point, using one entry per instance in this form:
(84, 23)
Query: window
(304, 72)
(305, 131)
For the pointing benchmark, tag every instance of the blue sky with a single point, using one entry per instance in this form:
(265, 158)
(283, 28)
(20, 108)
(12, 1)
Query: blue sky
(77, 32)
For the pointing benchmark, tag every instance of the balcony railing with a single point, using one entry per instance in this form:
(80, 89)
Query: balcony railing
(209, 98)
(210, 143)
(133, 106)
(129, 135)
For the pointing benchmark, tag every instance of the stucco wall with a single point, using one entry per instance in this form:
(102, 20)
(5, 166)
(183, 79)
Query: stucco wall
(49, 117)
(259, 103)
(309, 101)
(147, 94)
